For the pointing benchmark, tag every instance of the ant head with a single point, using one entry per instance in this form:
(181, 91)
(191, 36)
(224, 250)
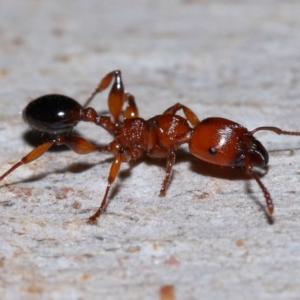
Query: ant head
(224, 142)
(52, 114)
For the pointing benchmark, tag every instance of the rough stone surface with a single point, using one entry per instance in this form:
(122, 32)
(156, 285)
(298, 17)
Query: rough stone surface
(209, 238)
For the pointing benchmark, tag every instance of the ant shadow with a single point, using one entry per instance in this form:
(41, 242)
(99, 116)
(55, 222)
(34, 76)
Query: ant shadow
(35, 138)
(204, 168)
(222, 172)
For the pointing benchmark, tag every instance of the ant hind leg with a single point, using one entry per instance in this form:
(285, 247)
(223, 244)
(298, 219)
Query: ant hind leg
(78, 144)
(116, 96)
(31, 156)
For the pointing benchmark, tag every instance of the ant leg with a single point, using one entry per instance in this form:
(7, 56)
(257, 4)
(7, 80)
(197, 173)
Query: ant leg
(131, 110)
(114, 170)
(77, 144)
(90, 115)
(190, 115)
(116, 95)
(165, 148)
(161, 152)
(269, 202)
(104, 83)
(80, 145)
(170, 163)
(31, 156)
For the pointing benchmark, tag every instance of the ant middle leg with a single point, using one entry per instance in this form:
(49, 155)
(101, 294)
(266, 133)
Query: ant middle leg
(189, 114)
(131, 110)
(114, 170)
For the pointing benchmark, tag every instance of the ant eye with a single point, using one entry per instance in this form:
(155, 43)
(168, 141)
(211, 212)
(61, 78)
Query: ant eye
(212, 151)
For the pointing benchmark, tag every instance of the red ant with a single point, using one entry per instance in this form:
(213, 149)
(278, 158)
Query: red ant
(215, 140)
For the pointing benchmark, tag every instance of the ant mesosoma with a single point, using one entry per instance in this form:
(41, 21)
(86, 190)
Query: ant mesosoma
(215, 140)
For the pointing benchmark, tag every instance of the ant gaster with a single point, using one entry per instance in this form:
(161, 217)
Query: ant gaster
(215, 140)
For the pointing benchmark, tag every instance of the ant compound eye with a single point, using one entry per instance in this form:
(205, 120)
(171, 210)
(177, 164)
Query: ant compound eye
(212, 151)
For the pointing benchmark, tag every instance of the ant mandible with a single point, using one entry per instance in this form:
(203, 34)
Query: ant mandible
(215, 140)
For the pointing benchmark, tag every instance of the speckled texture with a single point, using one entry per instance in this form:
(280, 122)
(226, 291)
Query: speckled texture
(209, 237)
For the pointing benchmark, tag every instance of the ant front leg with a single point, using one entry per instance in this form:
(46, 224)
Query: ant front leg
(189, 114)
(170, 163)
(269, 201)
(116, 95)
(160, 145)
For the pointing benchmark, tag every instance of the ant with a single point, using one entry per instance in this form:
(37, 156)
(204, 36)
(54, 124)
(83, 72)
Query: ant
(215, 140)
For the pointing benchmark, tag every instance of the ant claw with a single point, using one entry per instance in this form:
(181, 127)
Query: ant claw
(92, 221)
